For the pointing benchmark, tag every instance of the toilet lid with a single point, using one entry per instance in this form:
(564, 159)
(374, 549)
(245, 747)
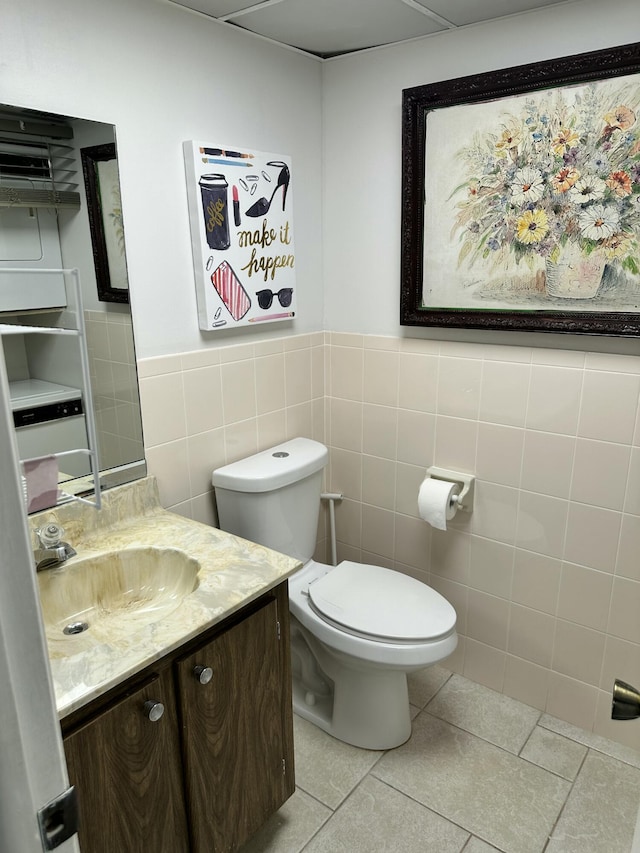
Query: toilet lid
(381, 603)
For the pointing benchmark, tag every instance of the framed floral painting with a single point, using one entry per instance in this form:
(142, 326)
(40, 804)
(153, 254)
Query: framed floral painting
(521, 198)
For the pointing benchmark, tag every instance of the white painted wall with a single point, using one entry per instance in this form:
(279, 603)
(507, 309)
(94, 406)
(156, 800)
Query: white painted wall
(362, 102)
(163, 74)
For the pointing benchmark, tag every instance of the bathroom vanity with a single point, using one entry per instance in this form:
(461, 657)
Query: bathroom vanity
(177, 732)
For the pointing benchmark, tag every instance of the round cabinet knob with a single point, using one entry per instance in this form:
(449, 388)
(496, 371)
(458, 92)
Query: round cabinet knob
(203, 674)
(153, 710)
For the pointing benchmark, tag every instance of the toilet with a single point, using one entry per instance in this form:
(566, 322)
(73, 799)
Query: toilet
(356, 630)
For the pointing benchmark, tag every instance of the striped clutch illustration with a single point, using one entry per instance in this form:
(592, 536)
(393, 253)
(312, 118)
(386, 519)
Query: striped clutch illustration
(229, 289)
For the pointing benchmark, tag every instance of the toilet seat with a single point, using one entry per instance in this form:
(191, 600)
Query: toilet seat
(377, 603)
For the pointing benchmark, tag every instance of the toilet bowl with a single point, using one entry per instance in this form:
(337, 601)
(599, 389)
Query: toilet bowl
(356, 630)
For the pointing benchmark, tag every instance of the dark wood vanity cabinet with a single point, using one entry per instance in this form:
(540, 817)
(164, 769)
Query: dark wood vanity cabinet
(125, 765)
(214, 766)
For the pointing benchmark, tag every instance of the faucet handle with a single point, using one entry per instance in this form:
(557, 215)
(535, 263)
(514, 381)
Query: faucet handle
(50, 536)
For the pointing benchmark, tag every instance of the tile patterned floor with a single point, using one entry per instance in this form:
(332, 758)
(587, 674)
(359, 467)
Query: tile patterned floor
(480, 773)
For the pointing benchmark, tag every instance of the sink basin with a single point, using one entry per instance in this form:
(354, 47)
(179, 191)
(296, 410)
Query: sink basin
(103, 596)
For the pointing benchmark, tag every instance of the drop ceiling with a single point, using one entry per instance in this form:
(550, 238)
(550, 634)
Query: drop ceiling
(328, 28)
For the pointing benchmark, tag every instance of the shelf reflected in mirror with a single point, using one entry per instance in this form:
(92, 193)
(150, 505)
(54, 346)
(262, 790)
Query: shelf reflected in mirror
(48, 219)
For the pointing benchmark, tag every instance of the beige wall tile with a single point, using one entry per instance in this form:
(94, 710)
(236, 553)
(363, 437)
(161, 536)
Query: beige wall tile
(272, 428)
(412, 542)
(488, 619)
(300, 420)
(416, 437)
(378, 530)
(345, 473)
(236, 352)
(621, 660)
(624, 618)
(547, 463)
(170, 466)
(238, 391)
(628, 560)
(345, 424)
(203, 509)
(495, 512)
(450, 554)
(592, 537)
(408, 481)
(380, 377)
(484, 664)
(459, 387)
(526, 682)
(499, 454)
(163, 413)
(536, 580)
(241, 439)
(458, 597)
(632, 497)
(490, 566)
(378, 482)
(418, 381)
(347, 371)
(542, 524)
(531, 635)
(572, 700)
(297, 370)
(349, 522)
(609, 403)
(379, 430)
(554, 399)
(585, 596)
(159, 365)
(600, 473)
(203, 399)
(270, 383)
(205, 452)
(505, 388)
(578, 652)
(455, 445)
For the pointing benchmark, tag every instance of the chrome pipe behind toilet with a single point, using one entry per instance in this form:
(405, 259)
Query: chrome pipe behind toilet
(626, 701)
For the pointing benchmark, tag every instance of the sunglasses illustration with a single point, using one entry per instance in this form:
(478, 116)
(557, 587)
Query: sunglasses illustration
(265, 297)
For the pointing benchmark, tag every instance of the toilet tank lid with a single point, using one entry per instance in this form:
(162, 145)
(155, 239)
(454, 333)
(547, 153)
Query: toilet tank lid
(273, 468)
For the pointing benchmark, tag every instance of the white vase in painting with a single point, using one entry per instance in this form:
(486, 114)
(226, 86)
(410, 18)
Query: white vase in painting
(575, 275)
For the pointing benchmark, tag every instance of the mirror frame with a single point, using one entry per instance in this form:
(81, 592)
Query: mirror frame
(90, 158)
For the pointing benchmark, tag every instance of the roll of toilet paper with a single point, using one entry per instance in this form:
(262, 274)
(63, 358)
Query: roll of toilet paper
(436, 501)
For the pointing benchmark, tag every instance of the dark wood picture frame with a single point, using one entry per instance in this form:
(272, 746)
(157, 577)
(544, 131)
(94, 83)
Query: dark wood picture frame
(417, 104)
(99, 220)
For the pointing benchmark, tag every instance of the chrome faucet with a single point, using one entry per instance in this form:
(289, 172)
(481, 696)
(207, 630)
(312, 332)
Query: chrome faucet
(53, 551)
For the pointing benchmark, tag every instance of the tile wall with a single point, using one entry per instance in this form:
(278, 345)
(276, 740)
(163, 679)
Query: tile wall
(112, 365)
(544, 575)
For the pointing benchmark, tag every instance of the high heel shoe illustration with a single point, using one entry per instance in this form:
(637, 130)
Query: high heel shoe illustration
(262, 205)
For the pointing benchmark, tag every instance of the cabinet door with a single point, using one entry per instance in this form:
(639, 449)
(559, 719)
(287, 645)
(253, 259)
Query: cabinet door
(236, 744)
(126, 767)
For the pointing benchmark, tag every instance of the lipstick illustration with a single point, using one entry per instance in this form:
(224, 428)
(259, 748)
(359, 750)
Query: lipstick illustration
(236, 206)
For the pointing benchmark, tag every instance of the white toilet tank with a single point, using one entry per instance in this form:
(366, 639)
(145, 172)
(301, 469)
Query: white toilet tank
(273, 497)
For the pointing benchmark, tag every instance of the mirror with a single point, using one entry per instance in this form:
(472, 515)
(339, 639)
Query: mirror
(60, 209)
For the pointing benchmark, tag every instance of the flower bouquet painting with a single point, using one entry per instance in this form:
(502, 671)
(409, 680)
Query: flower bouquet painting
(560, 180)
(530, 197)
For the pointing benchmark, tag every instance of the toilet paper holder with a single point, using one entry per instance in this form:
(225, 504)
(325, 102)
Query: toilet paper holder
(464, 499)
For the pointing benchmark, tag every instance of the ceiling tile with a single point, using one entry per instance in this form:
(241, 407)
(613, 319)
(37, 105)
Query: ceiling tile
(216, 8)
(461, 12)
(338, 26)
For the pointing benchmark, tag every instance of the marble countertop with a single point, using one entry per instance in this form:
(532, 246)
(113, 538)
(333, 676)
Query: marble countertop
(232, 573)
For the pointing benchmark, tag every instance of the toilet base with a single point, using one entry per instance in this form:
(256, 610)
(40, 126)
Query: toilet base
(367, 707)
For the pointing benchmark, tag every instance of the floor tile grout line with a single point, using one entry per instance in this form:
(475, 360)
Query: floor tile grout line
(566, 800)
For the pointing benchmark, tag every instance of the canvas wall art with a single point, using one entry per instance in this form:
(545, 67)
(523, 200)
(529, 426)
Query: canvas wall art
(241, 219)
(521, 197)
